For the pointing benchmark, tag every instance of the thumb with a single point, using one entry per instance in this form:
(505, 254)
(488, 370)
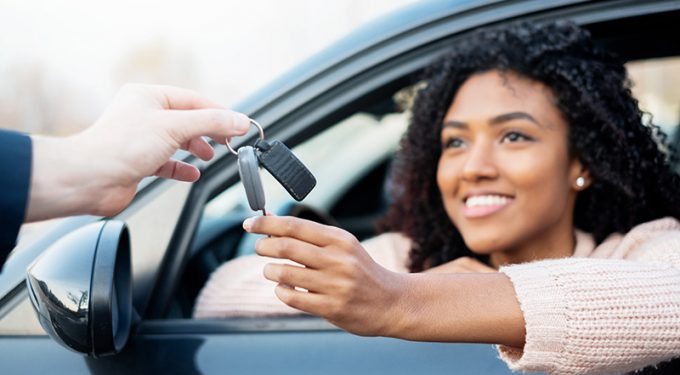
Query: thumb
(218, 124)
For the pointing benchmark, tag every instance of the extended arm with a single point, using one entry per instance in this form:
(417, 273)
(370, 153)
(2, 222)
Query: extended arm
(573, 315)
(353, 292)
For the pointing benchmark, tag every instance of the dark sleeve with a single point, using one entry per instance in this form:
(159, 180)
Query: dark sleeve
(15, 176)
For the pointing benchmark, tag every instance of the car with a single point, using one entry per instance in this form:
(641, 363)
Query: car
(115, 295)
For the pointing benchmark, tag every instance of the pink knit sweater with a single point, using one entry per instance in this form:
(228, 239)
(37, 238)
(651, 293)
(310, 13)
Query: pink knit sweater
(617, 311)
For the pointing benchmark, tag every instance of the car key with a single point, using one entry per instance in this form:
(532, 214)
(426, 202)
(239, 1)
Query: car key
(279, 161)
(286, 168)
(248, 169)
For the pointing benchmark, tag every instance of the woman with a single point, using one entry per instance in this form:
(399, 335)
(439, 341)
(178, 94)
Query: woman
(526, 154)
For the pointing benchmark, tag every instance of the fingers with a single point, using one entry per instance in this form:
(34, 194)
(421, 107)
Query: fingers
(303, 230)
(290, 248)
(179, 171)
(200, 148)
(218, 124)
(305, 301)
(296, 276)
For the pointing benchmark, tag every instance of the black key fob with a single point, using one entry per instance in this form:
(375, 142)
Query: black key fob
(286, 168)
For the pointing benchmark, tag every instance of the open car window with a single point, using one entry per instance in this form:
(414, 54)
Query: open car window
(349, 159)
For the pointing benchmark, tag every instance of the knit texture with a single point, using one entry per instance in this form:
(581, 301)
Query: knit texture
(615, 312)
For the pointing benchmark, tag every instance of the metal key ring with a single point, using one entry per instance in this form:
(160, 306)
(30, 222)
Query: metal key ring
(252, 122)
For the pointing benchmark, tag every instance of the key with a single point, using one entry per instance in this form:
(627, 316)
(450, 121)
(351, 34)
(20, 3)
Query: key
(248, 169)
(286, 168)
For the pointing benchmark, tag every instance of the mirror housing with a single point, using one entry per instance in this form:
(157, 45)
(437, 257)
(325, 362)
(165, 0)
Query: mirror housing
(81, 288)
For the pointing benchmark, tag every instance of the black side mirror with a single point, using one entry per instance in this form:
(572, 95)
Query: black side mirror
(81, 289)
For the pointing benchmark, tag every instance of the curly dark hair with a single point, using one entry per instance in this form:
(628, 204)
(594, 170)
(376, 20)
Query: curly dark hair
(627, 159)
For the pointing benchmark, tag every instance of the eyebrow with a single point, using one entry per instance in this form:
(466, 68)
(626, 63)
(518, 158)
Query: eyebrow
(496, 120)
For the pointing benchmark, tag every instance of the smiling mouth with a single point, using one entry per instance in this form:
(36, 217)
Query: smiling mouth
(484, 205)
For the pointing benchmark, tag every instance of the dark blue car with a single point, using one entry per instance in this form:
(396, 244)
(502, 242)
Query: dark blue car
(119, 292)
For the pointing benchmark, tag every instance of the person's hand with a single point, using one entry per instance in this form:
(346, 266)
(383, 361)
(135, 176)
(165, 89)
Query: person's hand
(342, 283)
(338, 281)
(97, 170)
(461, 265)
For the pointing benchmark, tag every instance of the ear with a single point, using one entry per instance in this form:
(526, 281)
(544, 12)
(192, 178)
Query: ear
(579, 175)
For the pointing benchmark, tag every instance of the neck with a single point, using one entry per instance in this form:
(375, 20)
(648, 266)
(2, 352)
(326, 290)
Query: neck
(550, 244)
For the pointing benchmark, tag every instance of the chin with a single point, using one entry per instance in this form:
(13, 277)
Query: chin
(484, 246)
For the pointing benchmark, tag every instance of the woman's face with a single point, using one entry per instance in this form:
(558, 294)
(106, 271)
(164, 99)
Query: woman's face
(505, 174)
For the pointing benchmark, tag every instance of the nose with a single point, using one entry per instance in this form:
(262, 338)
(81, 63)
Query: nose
(480, 163)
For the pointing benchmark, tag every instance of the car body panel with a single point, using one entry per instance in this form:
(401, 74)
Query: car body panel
(374, 60)
(321, 352)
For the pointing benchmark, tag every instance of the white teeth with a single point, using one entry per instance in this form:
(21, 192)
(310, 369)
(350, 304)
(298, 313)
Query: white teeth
(486, 200)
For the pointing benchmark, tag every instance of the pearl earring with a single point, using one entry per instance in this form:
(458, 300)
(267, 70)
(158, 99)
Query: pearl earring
(580, 182)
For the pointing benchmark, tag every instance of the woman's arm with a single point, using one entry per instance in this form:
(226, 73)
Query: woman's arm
(578, 315)
(465, 307)
(596, 315)
(344, 285)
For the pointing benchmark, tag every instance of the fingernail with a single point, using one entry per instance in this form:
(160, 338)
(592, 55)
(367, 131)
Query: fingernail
(248, 223)
(243, 121)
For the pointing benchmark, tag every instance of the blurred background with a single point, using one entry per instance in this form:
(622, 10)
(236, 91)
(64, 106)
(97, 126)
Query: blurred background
(62, 61)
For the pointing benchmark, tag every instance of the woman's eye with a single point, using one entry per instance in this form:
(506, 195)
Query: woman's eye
(453, 143)
(515, 137)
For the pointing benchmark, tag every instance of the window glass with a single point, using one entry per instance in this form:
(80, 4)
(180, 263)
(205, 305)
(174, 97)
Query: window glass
(339, 157)
(21, 320)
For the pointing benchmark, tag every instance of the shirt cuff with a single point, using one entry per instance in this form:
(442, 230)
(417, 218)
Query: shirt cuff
(544, 308)
(15, 176)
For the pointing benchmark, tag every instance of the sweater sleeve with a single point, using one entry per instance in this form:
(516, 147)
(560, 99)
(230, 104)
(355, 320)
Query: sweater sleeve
(586, 315)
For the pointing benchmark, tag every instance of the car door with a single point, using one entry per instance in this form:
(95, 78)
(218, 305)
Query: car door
(357, 77)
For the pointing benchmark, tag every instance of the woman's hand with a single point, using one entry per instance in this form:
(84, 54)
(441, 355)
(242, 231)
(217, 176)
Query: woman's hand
(342, 283)
(345, 286)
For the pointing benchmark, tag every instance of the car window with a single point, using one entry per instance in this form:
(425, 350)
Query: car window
(337, 157)
(21, 321)
(344, 157)
(341, 157)
(350, 158)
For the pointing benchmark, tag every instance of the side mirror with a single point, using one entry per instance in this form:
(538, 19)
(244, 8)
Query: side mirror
(81, 290)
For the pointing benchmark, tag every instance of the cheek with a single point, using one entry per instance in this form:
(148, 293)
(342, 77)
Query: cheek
(446, 176)
(541, 179)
